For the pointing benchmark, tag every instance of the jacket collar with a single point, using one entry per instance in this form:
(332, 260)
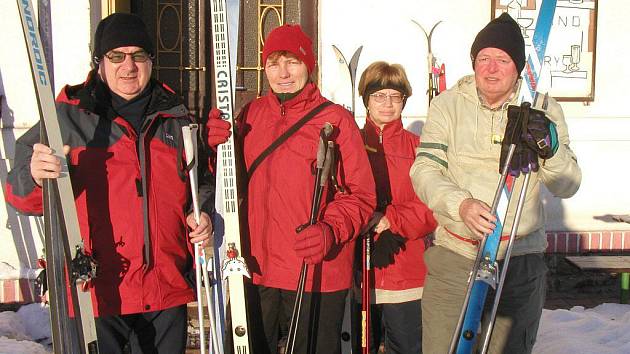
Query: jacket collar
(389, 130)
(300, 103)
(468, 88)
(94, 96)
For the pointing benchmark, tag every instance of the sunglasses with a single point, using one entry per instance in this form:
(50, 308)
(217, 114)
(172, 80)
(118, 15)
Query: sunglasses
(117, 57)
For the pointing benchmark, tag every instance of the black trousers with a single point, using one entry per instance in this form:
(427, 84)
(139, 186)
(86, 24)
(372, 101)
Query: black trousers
(399, 326)
(150, 332)
(321, 317)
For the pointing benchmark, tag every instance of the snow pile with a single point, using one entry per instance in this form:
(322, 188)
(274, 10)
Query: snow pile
(604, 329)
(36, 319)
(24, 330)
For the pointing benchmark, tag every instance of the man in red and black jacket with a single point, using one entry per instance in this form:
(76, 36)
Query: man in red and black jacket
(122, 133)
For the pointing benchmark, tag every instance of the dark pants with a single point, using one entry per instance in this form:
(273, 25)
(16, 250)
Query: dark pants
(399, 326)
(319, 329)
(150, 332)
(518, 314)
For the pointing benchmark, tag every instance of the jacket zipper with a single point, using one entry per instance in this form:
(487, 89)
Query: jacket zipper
(380, 137)
(282, 110)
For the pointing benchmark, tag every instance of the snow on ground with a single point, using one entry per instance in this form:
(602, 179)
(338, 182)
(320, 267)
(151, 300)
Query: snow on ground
(24, 330)
(604, 329)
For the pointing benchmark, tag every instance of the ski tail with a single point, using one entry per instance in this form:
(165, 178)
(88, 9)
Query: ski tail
(352, 66)
(340, 96)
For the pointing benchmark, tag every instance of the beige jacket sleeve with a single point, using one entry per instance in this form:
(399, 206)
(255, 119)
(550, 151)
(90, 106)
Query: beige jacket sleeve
(560, 174)
(429, 172)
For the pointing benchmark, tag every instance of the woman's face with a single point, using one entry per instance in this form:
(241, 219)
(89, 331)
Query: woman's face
(385, 106)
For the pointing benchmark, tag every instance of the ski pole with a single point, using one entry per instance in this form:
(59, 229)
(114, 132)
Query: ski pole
(508, 253)
(323, 166)
(480, 255)
(365, 304)
(213, 345)
(189, 134)
(366, 234)
(517, 218)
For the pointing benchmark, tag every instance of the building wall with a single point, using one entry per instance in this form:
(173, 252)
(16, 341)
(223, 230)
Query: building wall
(20, 236)
(598, 130)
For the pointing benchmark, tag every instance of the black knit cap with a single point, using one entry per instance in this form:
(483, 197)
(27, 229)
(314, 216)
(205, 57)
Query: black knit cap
(121, 30)
(502, 33)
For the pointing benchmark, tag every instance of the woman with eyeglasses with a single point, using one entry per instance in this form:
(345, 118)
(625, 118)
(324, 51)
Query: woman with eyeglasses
(402, 221)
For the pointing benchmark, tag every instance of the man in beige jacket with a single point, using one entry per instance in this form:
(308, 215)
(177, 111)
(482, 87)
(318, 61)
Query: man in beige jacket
(456, 174)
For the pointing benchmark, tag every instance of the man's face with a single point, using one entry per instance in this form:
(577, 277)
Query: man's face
(127, 78)
(495, 75)
(286, 73)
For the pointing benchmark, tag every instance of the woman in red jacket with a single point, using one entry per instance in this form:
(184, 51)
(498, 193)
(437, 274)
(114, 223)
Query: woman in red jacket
(280, 196)
(403, 220)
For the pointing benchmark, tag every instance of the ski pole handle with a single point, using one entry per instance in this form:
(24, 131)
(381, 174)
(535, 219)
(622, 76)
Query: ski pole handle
(324, 135)
(189, 135)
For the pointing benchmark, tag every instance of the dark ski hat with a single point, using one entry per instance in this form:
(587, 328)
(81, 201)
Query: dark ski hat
(502, 33)
(292, 39)
(120, 30)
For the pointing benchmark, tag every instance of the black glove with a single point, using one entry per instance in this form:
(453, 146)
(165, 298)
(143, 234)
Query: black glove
(540, 135)
(525, 158)
(385, 247)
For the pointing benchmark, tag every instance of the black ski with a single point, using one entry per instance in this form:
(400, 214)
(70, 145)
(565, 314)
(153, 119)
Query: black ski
(64, 246)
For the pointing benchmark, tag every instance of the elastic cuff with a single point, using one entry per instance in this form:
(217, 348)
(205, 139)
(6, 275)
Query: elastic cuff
(454, 202)
(554, 138)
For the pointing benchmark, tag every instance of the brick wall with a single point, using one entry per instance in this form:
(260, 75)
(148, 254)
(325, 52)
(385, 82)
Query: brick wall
(584, 242)
(563, 242)
(19, 290)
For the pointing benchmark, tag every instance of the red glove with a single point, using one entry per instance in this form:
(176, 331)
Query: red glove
(314, 242)
(217, 128)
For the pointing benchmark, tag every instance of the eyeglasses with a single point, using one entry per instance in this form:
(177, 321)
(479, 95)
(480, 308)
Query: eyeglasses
(486, 60)
(381, 97)
(117, 57)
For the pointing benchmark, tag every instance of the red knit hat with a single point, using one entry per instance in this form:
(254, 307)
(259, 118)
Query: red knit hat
(292, 39)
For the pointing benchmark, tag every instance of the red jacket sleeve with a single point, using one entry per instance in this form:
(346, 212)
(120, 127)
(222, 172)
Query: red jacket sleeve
(21, 192)
(347, 212)
(411, 219)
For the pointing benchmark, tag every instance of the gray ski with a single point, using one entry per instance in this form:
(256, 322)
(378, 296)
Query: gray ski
(64, 242)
